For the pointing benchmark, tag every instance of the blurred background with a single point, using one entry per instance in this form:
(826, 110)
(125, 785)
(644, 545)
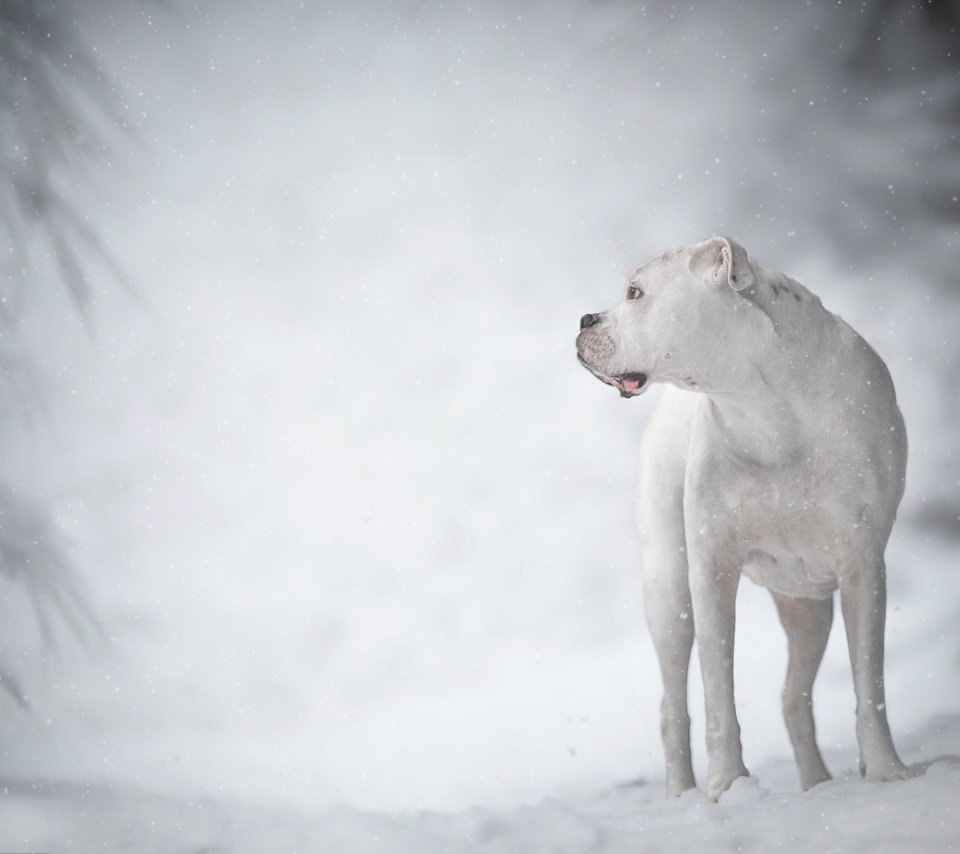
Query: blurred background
(304, 498)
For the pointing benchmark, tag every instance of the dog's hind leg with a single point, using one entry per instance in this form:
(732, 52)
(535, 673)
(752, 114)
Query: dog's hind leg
(807, 624)
(863, 599)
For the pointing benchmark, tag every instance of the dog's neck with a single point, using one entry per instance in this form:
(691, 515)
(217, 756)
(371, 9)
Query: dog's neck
(757, 402)
(755, 394)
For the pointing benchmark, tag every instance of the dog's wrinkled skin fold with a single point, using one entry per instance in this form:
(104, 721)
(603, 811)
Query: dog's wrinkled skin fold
(786, 464)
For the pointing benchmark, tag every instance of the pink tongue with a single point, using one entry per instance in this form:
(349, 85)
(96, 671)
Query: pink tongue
(630, 385)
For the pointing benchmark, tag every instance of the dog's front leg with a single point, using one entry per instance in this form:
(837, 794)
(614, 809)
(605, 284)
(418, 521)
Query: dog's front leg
(713, 590)
(863, 599)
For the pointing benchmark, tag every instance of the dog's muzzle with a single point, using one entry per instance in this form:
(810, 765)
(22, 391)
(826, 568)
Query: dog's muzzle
(595, 347)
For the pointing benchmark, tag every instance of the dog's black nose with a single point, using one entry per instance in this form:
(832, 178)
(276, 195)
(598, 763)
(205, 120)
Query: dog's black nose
(589, 320)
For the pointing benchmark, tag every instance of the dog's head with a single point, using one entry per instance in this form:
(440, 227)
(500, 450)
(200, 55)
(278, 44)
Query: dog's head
(677, 310)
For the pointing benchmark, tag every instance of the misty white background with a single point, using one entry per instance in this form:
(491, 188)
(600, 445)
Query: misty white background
(355, 521)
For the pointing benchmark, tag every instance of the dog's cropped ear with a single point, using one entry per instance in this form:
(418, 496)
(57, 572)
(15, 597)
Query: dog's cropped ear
(722, 260)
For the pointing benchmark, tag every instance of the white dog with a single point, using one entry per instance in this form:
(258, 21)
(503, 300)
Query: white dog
(783, 458)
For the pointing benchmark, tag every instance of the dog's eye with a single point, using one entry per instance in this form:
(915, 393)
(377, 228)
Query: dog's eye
(633, 292)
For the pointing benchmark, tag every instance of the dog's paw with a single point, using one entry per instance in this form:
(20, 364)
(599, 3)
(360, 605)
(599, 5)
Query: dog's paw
(886, 770)
(744, 790)
(720, 782)
(808, 782)
(675, 789)
(679, 781)
(813, 773)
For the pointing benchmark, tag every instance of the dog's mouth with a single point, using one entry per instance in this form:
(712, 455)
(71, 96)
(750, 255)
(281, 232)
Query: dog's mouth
(629, 384)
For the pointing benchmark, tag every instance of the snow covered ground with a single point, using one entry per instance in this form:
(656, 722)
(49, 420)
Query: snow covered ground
(839, 816)
(357, 524)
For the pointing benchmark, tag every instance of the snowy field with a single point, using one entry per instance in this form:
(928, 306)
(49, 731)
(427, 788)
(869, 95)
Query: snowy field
(357, 525)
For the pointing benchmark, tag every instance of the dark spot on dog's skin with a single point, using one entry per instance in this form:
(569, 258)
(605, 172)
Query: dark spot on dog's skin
(690, 381)
(776, 289)
(797, 297)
